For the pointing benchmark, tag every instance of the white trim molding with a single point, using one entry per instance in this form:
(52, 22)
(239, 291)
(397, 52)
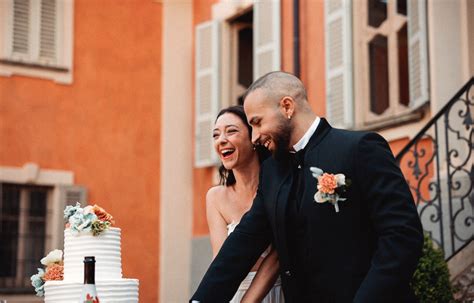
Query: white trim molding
(225, 9)
(61, 71)
(176, 177)
(30, 173)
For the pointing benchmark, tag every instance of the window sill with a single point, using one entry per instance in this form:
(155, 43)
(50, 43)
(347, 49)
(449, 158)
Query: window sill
(22, 298)
(394, 121)
(17, 290)
(33, 65)
(58, 74)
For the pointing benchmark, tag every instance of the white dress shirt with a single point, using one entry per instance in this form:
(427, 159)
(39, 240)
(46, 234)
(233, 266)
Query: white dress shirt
(309, 133)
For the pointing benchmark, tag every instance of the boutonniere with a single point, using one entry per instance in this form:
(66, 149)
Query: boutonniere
(330, 187)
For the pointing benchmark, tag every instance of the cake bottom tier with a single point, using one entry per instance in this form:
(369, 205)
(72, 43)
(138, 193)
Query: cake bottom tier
(122, 290)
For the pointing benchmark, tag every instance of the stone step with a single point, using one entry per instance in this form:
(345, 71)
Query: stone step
(464, 284)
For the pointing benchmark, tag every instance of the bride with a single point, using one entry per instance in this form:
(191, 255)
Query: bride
(229, 201)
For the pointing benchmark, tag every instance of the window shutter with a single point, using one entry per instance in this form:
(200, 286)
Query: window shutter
(38, 33)
(20, 37)
(338, 40)
(70, 194)
(207, 91)
(418, 53)
(267, 45)
(66, 195)
(34, 32)
(47, 47)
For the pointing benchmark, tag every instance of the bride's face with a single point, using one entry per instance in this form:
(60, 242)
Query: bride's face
(232, 141)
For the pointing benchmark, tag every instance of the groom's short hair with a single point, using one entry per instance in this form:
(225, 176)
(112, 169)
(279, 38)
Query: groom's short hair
(278, 84)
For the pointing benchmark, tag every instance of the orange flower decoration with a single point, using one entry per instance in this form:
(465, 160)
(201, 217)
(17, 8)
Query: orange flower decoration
(54, 272)
(327, 183)
(102, 215)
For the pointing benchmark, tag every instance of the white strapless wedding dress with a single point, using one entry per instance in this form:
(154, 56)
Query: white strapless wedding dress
(275, 295)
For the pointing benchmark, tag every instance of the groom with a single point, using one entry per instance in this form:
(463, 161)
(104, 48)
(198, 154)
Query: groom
(358, 242)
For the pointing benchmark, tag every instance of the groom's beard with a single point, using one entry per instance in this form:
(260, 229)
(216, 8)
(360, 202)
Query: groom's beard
(282, 141)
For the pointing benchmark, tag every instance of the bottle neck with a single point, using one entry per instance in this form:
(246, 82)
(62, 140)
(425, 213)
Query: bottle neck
(89, 272)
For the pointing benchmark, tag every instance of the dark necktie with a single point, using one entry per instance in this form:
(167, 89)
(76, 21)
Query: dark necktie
(298, 163)
(296, 159)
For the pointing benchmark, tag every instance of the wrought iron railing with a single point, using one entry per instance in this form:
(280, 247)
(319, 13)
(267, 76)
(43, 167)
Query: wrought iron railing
(438, 164)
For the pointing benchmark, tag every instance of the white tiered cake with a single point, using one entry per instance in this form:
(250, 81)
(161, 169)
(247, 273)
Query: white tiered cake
(111, 287)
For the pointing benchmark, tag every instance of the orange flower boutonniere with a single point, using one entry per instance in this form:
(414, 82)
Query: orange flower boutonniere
(330, 187)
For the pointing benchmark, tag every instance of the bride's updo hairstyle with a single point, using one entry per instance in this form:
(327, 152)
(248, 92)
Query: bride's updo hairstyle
(226, 176)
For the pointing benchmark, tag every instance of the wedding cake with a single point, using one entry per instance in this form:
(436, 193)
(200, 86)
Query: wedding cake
(88, 233)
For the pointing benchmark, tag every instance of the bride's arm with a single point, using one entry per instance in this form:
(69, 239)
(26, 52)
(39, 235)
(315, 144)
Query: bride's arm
(217, 224)
(264, 280)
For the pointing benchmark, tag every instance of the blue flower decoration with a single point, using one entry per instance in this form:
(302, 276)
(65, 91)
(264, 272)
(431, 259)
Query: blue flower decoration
(38, 283)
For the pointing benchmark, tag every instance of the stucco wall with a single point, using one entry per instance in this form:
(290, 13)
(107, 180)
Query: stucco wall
(105, 127)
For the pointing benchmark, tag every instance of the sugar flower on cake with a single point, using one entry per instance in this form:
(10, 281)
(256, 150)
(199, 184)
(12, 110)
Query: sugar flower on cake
(92, 219)
(99, 226)
(81, 221)
(54, 256)
(54, 271)
(38, 283)
(102, 214)
(71, 210)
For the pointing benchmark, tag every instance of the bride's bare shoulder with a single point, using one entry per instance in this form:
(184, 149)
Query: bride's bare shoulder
(215, 194)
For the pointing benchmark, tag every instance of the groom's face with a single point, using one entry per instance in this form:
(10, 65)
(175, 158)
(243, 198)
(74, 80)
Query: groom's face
(269, 126)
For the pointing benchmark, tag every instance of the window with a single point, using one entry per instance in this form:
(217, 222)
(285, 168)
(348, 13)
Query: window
(241, 44)
(32, 201)
(384, 38)
(37, 40)
(24, 213)
(391, 62)
(377, 61)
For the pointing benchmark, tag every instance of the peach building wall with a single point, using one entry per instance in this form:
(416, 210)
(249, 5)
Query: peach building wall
(104, 127)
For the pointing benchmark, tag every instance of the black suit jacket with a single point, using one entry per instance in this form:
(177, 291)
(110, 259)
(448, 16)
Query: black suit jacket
(367, 252)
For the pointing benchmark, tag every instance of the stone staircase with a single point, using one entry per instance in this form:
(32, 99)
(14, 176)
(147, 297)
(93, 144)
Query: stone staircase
(464, 285)
(461, 268)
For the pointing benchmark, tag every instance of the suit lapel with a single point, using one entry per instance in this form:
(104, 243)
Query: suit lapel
(320, 133)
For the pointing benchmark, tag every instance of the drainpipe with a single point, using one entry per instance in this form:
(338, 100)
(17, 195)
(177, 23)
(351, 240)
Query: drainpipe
(296, 38)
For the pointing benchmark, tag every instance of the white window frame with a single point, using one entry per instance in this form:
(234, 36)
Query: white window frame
(62, 184)
(61, 71)
(22, 229)
(226, 11)
(396, 112)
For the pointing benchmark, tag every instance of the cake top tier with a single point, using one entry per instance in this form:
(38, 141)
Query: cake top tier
(91, 218)
(88, 232)
(105, 247)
